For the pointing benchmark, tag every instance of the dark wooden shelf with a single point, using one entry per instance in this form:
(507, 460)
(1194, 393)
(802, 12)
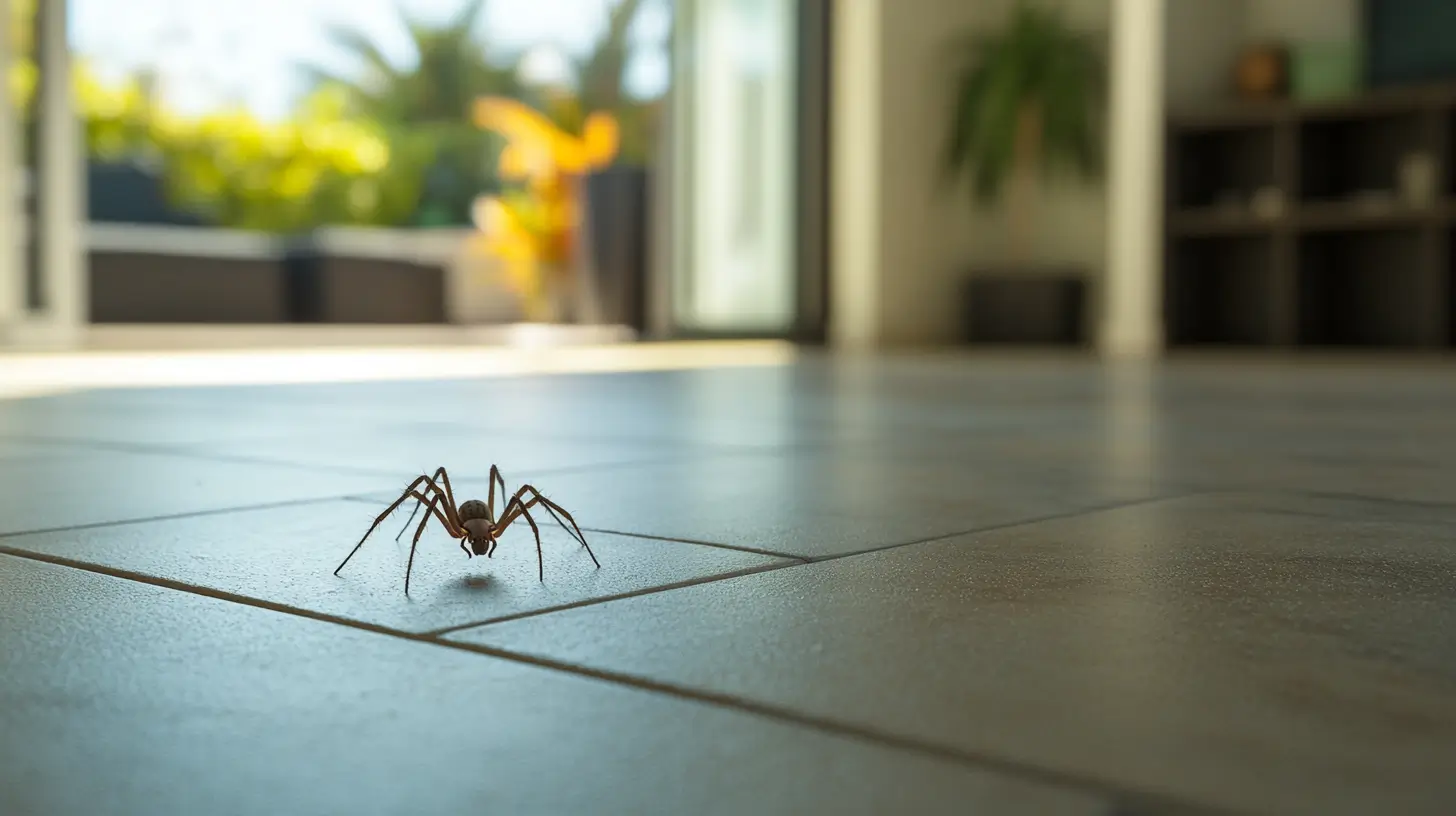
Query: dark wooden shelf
(1332, 268)
(1314, 216)
(1237, 114)
(1197, 222)
(1334, 216)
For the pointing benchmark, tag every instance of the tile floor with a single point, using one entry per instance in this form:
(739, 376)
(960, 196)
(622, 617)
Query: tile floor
(906, 585)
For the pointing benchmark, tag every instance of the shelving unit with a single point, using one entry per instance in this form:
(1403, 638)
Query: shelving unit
(1307, 225)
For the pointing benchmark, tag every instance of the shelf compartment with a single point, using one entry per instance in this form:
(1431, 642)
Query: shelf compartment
(1221, 290)
(1362, 288)
(1341, 159)
(1221, 167)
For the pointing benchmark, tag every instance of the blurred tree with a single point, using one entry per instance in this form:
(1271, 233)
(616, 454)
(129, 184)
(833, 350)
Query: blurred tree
(601, 78)
(438, 157)
(603, 69)
(322, 167)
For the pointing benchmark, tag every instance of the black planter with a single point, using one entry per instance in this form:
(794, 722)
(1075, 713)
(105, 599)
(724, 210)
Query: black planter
(616, 229)
(1036, 306)
(324, 285)
(126, 193)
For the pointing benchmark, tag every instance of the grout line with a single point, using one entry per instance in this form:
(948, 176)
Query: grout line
(716, 545)
(179, 452)
(636, 593)
(204, 591)
(974, 759)
(173, 516)
(790, 561)
(926, 748)
(1069, 514)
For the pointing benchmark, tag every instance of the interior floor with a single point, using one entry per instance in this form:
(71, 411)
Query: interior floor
(936, 584)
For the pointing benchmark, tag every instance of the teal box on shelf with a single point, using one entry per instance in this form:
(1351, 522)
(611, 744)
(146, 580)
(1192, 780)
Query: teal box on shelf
(1324, 70)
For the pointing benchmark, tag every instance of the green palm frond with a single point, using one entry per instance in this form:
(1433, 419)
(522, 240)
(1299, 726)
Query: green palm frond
(1037, 62)
(451, 70)
(601, 71)
(423, 109)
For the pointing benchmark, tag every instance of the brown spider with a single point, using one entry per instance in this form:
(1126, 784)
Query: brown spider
(474, 521)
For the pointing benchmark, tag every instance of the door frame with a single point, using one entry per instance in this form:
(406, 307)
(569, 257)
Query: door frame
(672, 218)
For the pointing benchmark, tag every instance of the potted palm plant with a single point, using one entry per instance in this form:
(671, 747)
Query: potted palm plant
(1026, 109)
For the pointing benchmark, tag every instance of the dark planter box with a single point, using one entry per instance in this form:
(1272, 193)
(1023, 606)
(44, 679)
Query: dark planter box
(329, 285)
(616, 222)
(1036, 306)
(140, 287)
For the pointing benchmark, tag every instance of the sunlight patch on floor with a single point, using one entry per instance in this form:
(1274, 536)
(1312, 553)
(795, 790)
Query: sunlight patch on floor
(37, 374)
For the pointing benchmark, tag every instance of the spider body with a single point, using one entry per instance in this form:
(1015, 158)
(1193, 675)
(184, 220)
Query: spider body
(473, 522)
(475, 518)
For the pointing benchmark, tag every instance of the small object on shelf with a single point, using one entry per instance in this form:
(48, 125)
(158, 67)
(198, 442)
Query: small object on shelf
(1268, 202)
(1418, 179)
(1262, 71)
(1325, 70)
(1229, 202)
(1374, 201)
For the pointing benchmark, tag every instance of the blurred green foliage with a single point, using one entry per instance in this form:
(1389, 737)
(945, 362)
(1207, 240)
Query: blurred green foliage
(423, 111)
(394, 148)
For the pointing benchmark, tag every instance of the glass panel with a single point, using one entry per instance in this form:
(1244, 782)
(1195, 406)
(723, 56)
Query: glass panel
(736, 271)
(516, 134)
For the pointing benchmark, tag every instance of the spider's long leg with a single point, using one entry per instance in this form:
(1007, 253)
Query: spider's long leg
(410, 566)
(408, 491)
(410, 520)
(495, 476)
(554, 509)
(450, 507)
(517, 509)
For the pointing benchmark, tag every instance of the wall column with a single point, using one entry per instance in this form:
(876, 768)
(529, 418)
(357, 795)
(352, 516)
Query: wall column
(60, 186)
(1132, 322)
(855, 154)
(12, 253)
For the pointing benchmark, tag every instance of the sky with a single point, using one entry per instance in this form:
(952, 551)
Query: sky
(220, 52)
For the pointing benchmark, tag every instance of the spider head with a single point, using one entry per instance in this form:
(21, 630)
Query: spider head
(478, 533)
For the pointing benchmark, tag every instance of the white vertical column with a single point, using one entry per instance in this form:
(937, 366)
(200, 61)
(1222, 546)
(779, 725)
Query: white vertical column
(855, 173)
(60, 184)
(740, 263)
(12, 253)
(1132, 296)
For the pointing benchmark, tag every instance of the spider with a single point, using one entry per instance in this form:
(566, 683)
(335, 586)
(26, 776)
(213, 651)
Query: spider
(474, 521)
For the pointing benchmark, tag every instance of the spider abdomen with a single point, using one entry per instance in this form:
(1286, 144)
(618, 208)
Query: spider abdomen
(474, 509)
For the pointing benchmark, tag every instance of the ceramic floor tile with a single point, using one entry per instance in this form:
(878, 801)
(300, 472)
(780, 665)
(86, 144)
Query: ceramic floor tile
(404, 452)
(144, 701)
(287, 556)
(105, 418)
(813, 504)
(19, 449)
(1396, 467)
(79, 488)
(1260, 653)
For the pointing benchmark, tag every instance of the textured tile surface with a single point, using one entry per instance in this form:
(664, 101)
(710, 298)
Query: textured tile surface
(1261, 653)
(120, 698)
(812, 504)
(1280, 644)
(175, 418)
(77, 487)
(287, 555)
(402, 452)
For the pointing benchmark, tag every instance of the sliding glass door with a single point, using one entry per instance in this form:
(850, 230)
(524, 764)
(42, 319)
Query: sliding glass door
(736, 195)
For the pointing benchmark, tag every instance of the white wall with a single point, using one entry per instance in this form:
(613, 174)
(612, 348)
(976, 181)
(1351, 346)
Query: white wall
(1313, 20)
(1201, 44)
(901, 250)
(901, 246)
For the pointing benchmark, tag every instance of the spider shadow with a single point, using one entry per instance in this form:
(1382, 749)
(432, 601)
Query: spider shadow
(474, 585)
